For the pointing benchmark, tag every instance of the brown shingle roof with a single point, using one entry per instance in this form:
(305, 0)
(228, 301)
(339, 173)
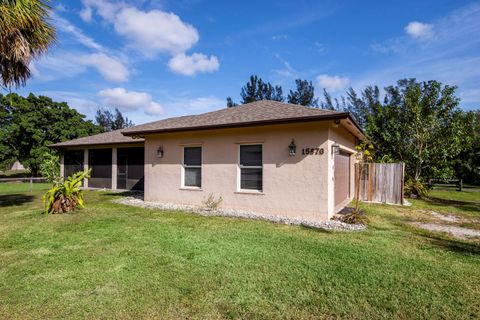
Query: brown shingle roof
(254, 113)
(112, 137)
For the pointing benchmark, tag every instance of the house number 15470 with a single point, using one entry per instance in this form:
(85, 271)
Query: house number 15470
(312, 151)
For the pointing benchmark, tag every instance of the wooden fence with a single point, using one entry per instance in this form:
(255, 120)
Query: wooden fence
(381, 182)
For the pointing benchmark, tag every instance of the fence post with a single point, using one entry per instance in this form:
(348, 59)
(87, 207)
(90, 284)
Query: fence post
(31, 184)
(460, 184)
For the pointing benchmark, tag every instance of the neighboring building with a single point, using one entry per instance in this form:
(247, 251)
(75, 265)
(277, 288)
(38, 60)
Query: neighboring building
(266, 156)
(16, 166)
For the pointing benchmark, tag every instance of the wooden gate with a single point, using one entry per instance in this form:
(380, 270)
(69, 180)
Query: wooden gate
(381, 182)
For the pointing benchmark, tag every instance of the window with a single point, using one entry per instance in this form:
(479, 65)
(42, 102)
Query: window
(192, 164)
(251, 167)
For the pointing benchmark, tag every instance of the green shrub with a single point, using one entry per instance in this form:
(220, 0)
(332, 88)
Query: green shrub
(50, 167)
(66, 196)
(415, 189)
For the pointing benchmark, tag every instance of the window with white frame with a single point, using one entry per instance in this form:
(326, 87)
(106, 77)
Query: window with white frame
(251, 167)
(192, 166)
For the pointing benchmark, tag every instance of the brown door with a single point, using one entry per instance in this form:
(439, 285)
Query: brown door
(342, 177)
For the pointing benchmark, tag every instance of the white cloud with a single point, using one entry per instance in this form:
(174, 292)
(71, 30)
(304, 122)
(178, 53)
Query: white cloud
(76, 100)
(190, 65)
(130, 101)
(105, 9)
(86, 14)
(57, 65)
(109, 67)
(65, 26)
(419, 30)
(333, 83)
(155, 31)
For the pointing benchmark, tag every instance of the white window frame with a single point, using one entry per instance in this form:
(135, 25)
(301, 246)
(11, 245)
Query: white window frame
(240, 167)
(182, 184)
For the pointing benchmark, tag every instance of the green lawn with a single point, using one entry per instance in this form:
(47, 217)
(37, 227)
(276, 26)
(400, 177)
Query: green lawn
(114, 261)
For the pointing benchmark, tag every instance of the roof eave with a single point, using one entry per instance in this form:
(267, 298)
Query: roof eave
(93, 144)
(341, 115)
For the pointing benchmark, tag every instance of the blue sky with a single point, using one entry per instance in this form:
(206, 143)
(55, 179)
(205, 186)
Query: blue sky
(156, 59)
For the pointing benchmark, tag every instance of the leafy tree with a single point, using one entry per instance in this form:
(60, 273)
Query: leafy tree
(418, 123)
(362, 107)
(25, 34)
(28, 125)
(467, 163)
(256, 89)
(304, 94)
(110, 121)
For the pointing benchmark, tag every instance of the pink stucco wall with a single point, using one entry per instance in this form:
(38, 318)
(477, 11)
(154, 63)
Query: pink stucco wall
(298, 186)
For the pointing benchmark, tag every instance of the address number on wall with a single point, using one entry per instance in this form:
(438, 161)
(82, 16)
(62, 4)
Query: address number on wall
(312, 151)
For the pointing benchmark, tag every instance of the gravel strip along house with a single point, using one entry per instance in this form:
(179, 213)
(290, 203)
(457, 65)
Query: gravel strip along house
(266, 156)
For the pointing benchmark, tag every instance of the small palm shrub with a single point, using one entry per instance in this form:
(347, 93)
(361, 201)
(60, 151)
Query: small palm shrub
(415, 189)
(211, 203)
(66, 196)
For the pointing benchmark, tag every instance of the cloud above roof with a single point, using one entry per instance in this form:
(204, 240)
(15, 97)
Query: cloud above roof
(126, 100)
(154, 32)
(332, 83)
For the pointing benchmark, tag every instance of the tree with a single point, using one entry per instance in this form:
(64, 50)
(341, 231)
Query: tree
(256, 90)
(304, 94)
(29, 125)
(467, 164)
(110, 121)
(25, 34)
(418, 123)
(231, 103)
(332, 103)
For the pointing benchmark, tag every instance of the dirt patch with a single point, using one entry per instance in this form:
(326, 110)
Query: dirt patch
(458, 232)
(439, 216)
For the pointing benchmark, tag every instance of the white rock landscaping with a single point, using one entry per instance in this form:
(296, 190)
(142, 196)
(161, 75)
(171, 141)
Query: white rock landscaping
(326, 225)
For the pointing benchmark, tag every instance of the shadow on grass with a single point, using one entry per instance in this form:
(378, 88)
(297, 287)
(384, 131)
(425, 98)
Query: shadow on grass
(462, 205)
(457, 246)
(319, 230)
(9, 200)
(129, 193)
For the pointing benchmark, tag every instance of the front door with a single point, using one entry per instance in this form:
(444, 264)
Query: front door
(122, 171)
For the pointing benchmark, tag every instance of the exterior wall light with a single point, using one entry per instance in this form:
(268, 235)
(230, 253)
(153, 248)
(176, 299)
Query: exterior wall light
(160, 152)
(335, 148)
(292, 148)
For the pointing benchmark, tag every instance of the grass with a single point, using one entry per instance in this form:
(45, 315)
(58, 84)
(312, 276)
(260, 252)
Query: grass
(114, 261)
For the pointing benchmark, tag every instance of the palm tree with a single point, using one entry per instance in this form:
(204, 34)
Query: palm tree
(25, 34)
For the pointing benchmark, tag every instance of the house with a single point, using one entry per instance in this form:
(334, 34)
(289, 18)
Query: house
(266, 156)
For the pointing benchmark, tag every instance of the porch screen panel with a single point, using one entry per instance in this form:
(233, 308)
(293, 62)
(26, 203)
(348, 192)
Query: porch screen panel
(100, 161)
(135, 166)
(73, 162)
